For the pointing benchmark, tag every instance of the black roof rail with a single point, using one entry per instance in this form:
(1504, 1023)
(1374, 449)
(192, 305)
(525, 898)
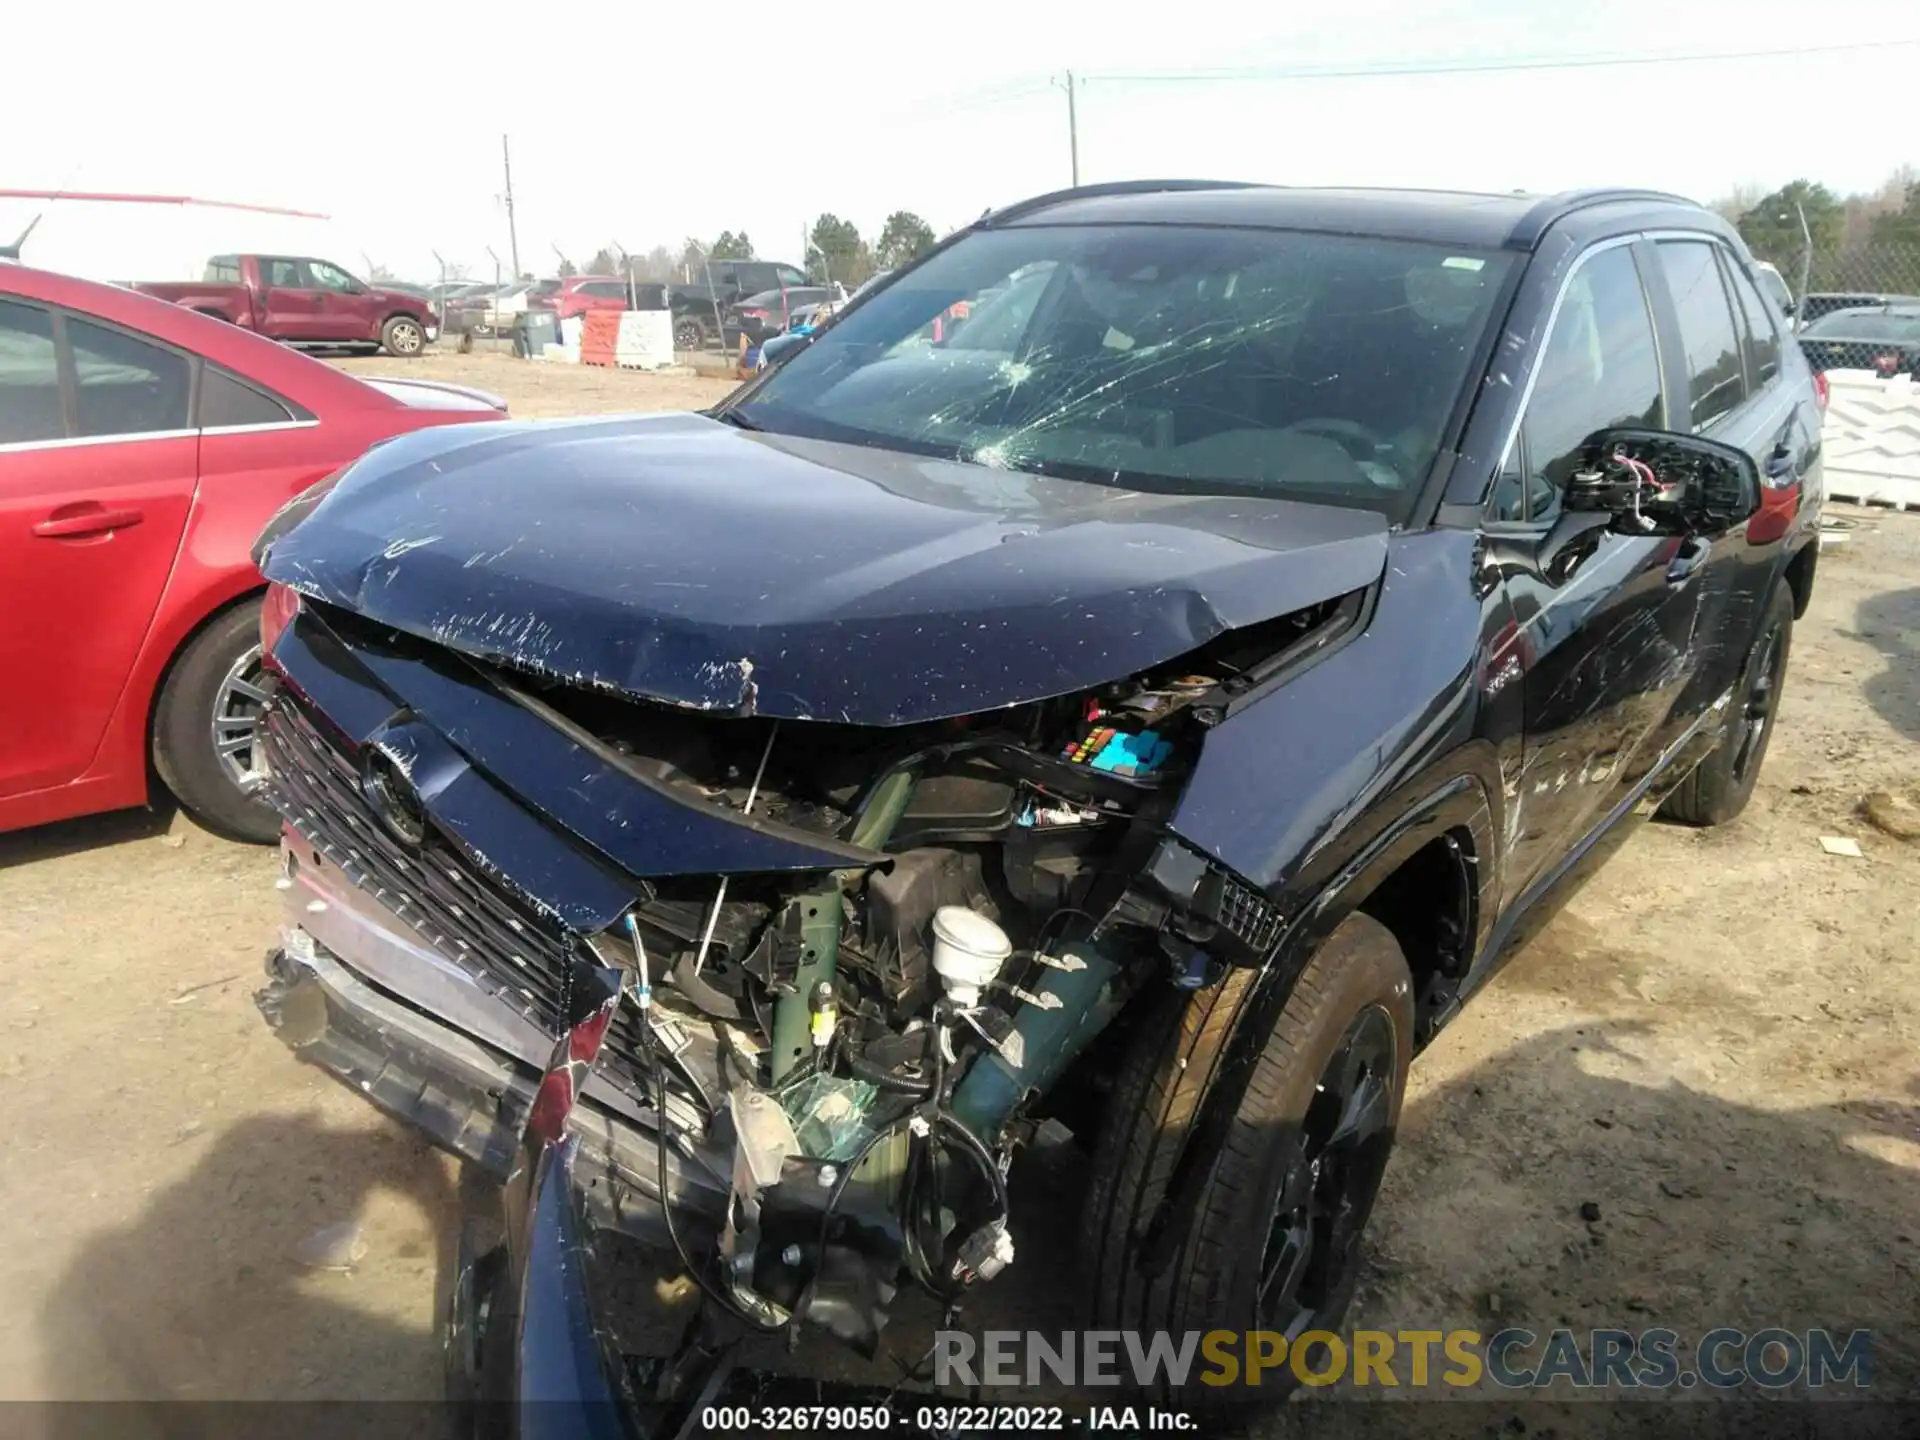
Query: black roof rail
(1111, 187)
(1528, 229)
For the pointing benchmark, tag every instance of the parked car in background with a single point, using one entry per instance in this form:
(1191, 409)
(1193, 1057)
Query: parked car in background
(303, 300)
(700, 305)
(1152, 705)
(502, 306)
(1883, 338)
(142, 447)
(772, 311)
(810, 320)
(579, 294)
(1825, 302)
(465, 309)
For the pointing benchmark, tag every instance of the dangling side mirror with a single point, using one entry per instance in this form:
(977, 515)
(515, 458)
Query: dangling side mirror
(1657, 482)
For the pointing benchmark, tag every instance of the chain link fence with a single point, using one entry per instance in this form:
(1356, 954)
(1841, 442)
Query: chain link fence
(1857, 306)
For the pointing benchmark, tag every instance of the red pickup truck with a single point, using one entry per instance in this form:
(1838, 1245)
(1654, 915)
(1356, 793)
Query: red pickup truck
(304, 301)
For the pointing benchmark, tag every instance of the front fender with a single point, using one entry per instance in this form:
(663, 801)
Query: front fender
(1288, 790)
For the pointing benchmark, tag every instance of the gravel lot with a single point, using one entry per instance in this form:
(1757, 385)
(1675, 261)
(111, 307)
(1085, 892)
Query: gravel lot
(1714, 1044)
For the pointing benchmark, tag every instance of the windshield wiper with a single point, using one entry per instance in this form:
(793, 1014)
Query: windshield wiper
(735, 418)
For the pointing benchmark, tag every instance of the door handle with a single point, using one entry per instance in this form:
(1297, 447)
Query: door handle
(1688, 559)
(86, 519)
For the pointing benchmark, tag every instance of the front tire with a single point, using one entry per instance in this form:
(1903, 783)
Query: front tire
(206, 727)
(1721, 785)
(403, 337)
(1272, 1240)
(689, 334)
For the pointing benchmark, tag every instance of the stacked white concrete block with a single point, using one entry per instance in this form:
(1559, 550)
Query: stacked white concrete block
(1871, 441)
(646, 340)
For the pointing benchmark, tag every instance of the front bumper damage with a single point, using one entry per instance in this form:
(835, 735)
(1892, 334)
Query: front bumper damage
(474, 873)
(527, 1351)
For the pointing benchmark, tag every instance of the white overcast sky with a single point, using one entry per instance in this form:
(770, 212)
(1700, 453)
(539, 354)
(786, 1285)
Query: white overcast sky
(647, 127)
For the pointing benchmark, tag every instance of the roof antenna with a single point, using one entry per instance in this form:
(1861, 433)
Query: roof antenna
(12, 252)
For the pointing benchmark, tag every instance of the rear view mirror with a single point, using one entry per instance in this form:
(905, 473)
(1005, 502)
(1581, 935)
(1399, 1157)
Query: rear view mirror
(1656, 482)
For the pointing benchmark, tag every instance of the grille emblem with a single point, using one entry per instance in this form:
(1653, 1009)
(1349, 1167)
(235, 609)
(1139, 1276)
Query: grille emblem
(396, 804)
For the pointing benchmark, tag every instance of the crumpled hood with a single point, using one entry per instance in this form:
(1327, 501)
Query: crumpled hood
(680, 559)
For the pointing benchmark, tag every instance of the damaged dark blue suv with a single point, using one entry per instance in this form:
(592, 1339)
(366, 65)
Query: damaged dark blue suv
(1141, 667)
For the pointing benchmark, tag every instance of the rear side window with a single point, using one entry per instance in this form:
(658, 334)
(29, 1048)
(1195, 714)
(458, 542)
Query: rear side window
(29, 376)
(1707, 331)
(226, 402)
(284, 274)
(1600, 368)
(125, 386)
(1763, 340)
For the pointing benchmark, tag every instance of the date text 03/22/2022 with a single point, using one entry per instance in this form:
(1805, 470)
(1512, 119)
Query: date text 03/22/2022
(943, 1419)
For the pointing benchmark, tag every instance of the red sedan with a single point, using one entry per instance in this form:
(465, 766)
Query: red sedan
(142, 448)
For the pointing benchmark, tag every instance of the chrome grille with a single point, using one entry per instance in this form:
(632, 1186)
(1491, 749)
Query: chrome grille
(513, 950)
(505, 944)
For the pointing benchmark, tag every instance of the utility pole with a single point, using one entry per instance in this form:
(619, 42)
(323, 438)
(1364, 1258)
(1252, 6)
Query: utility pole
(1073, 128)
(1806, 268)
(1073, 132)
(513, 234)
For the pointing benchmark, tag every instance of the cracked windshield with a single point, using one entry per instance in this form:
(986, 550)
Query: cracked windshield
(1321, 367)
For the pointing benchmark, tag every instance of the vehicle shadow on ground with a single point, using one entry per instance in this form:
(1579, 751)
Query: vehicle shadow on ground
(204, 1299)
(1890, 622)
(1710, 1214)
(89, 832)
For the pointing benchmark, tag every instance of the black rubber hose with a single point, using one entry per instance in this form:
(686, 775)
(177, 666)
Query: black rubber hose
(876, 1075)
(840, 1186)
(976, 1147)
(712, 1292)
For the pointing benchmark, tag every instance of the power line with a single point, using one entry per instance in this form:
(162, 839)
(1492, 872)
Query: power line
(1474, 67)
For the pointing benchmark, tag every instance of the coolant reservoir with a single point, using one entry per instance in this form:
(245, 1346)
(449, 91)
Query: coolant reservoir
(968, 951)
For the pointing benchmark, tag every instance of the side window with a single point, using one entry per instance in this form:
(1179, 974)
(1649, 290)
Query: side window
(1762, 338)
(125, 386)
(282, 274)
(1599, 368)
(29, 377)
(332, 277)
(790, 276)
(226, 402)
(1707, 333)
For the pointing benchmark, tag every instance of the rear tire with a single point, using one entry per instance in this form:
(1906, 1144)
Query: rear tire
(204, 713)
(1272, 1241)
(689, 334)
(1721, 785)
(403, 337)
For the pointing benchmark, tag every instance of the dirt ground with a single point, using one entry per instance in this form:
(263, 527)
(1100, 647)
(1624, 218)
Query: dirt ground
(1715, 1048)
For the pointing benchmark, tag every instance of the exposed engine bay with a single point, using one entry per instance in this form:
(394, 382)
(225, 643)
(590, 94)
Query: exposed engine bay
(848, 1055)
(859, 1051)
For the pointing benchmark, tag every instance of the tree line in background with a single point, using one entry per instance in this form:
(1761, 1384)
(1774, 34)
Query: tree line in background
(836, 251)
(1868, 240)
